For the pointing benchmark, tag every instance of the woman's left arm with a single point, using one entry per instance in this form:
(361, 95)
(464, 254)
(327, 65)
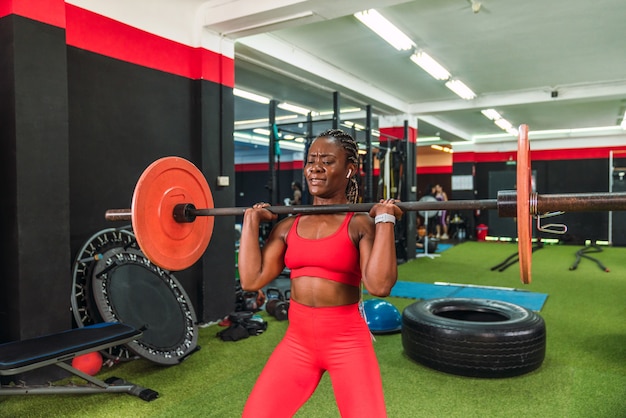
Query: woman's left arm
(377, 248)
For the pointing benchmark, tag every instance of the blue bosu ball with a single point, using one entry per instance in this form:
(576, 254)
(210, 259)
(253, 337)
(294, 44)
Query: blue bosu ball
(382, 317)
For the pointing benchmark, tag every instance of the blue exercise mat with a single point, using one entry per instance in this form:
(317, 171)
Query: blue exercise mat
(530, 300)
(440, 248)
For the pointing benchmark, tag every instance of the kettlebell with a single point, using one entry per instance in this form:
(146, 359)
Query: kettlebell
(276, 304)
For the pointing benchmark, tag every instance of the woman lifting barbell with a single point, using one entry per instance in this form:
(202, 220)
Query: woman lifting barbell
(329, 256)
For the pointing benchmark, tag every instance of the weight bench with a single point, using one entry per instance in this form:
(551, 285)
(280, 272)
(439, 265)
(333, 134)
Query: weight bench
(56, 349)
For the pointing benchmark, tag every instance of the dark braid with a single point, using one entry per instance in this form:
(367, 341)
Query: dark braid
(352, 152)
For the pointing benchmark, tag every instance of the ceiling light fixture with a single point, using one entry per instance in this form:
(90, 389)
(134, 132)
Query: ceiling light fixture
(623, 124)
(513, 131)
(342, 111)
(257, 140)
(263, 120)
(443, 149)
(261, 131)
(429, 65)
(350, 124)
(385, 29)
(460, 89)
(427, 139)
(504, 124)
(491, 114)
(251, 96)
(293, 108)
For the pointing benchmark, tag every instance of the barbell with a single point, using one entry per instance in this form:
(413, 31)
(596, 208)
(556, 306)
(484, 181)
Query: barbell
(172, 211)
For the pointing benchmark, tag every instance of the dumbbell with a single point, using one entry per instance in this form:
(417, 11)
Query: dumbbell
(276, 304)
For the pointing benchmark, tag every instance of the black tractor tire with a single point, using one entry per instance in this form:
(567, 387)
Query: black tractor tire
(474, 337)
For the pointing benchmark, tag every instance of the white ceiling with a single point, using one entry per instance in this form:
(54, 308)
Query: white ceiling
(516, 55)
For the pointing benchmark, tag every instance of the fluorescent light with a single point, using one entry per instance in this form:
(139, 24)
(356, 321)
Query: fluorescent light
(263, 120)
(500, 121)
(504, 124)
(431, 66)
(491, 114)
(251, 96)
(261, 131)
(623, 124)
(257, 140)
(385, 29)
(342, 111)
(350, 124)
(293, 108)
(428, 139)
(513, 131)
(460, 89)
(440, 148)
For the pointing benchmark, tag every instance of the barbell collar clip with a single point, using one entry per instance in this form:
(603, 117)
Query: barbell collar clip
(184, 213)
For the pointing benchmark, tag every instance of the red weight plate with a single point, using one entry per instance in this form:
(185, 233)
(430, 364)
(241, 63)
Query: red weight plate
(164, 184)
(523, 180)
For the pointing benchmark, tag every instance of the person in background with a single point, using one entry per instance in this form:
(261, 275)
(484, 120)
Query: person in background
(442, 225)
(297, 193)
(330, 257)
(434, 223)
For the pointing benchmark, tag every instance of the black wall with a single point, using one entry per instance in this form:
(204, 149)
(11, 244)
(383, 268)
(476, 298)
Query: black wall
(555, 177)
(76, 131)
(35, 283)
(122, 118)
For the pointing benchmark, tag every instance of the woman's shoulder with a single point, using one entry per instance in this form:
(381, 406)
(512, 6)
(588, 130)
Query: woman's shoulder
(283, 226)
(362, 219)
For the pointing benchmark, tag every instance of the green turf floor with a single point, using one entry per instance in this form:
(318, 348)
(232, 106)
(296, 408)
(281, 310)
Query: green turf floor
(583, 375)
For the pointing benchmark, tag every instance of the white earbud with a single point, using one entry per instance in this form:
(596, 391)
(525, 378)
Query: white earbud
(349, 172)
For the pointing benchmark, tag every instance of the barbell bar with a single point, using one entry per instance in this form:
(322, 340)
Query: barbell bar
(172, 209)
(505, 204)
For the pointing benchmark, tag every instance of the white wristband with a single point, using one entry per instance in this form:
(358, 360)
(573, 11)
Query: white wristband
(385, 217)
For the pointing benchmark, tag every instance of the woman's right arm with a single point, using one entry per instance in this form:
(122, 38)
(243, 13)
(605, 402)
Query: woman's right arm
(259, 266)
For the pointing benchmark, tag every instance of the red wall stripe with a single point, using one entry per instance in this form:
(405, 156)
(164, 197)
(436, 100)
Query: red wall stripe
(398, 132)
(51, 12)
(105, 36)
(287, 165)
(477, 157)
(6, 8)
(442, 169)
(298, 165)
(539, 155)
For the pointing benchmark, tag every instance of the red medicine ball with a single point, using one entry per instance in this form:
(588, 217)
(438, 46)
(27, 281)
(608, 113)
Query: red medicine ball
(89, 363)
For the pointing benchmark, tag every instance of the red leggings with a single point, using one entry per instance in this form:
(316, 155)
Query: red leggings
(333, 339)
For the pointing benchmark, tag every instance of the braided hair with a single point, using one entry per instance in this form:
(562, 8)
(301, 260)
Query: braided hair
(352, 152)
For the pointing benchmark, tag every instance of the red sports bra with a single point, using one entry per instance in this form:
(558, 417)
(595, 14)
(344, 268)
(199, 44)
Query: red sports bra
(334, 257)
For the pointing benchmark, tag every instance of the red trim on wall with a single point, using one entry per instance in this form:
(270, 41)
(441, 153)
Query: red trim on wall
(217, 68)
(6, 8)
(102, 35)
(539, 155)
(299, 165)
(443, 169)
(398, 132)
(51, 12)
(287, 165)
(395, 132)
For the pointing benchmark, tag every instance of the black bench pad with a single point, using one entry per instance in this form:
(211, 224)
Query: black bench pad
(17, 356)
